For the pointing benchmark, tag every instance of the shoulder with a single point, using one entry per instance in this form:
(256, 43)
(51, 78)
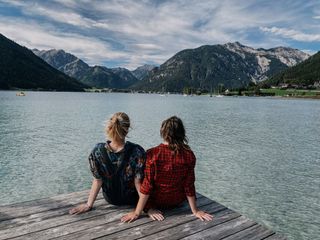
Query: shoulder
(154, 152)
(155, 149)
(96, 152)
(189, 154)
(136, 149)
(189, 151)
(98, 147)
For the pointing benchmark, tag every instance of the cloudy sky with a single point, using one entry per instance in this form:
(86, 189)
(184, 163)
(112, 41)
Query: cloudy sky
(131, 33)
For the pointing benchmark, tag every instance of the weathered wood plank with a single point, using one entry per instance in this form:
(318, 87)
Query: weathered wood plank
(192, 227)
(49, 218)
(254, 232)
(113, 225)
(170, 222)
(222, 230)
(44, 200)
(36, 206)
(41, 216)
(56, 221)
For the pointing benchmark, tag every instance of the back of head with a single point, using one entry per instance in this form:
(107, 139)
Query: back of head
(118, 126)
(173, 132)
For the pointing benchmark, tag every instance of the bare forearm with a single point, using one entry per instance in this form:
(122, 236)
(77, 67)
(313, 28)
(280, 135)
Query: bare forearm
(137, 184)
(95, 188)
(141, 203)
(192, 204)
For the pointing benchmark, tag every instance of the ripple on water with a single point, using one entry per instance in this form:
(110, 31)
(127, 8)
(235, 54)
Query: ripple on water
(258, 156)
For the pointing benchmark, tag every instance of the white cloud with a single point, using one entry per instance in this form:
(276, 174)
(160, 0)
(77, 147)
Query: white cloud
(135, 32)
(33, 35)
(292, 34)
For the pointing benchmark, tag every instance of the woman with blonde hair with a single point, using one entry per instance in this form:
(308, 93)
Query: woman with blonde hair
(117, 166)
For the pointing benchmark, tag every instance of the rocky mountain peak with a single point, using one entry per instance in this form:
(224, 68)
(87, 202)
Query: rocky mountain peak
(142, 71)
(264, 57)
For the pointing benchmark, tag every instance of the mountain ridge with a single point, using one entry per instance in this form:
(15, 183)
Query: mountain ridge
(305, 73)
(20, 68)
(232, 64)
(143, 71)
(94, 76)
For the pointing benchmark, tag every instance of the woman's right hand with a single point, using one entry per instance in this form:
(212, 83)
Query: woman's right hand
(203, 216)
(82, 208)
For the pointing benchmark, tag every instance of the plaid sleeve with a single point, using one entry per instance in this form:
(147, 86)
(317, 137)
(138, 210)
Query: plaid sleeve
(140, 159)
(149, 174)
(94, 164)
(190, 179)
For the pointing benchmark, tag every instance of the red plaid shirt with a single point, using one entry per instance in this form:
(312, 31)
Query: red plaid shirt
(169, 177)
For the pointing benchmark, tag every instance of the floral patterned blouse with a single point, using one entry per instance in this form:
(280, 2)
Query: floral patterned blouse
(118, 170)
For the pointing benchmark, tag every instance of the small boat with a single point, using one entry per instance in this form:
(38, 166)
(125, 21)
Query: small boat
(219, 95)
(20, 94)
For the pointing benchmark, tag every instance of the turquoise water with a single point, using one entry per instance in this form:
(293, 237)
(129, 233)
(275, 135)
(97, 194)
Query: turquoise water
(259, 156)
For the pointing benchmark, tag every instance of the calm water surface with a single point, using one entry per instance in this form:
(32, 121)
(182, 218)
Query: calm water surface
(258, 156)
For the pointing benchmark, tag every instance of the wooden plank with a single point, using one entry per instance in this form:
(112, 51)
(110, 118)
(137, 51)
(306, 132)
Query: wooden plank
(41, 216)
(56, 221)
(44, 200)
(113, 224)
(254, 232)
(69, 223)
(222, 230)
(169, 223)
(192, 227)
(48, 218)
(36, 206)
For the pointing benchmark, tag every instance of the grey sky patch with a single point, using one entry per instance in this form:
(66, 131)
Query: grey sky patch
(131, 33)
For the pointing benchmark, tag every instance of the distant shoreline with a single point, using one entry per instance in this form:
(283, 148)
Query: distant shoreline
(317, 97)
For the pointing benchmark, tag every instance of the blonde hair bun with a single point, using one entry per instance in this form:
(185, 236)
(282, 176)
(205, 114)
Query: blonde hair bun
(118, 126)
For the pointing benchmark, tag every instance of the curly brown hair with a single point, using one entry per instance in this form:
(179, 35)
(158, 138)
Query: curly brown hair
(172, 131)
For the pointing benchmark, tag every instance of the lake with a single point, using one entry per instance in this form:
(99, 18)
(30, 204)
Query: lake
(259, 156)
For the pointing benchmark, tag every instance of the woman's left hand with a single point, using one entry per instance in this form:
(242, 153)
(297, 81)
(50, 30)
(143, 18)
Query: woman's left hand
(203, 216)
(130, 217)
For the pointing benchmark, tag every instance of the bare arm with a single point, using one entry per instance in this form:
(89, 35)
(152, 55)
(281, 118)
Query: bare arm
(196, 212)
(144, 191)
(95, 188)
(137, 184)
(136, 213)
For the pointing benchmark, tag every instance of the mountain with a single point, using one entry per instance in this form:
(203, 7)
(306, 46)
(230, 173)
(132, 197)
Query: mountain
(232, 65)
(127, 77)
(102, 77)
(20, 68)
(64, 62)
(142, 71)
(269, 61)
(96, 76)
(305, 73)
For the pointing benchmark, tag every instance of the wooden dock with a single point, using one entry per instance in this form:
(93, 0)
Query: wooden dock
(49, 219)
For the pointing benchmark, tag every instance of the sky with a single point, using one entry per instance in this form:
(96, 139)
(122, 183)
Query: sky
(130, 33)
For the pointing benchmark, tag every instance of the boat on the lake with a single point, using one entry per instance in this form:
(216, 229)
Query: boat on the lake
(20, 94)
